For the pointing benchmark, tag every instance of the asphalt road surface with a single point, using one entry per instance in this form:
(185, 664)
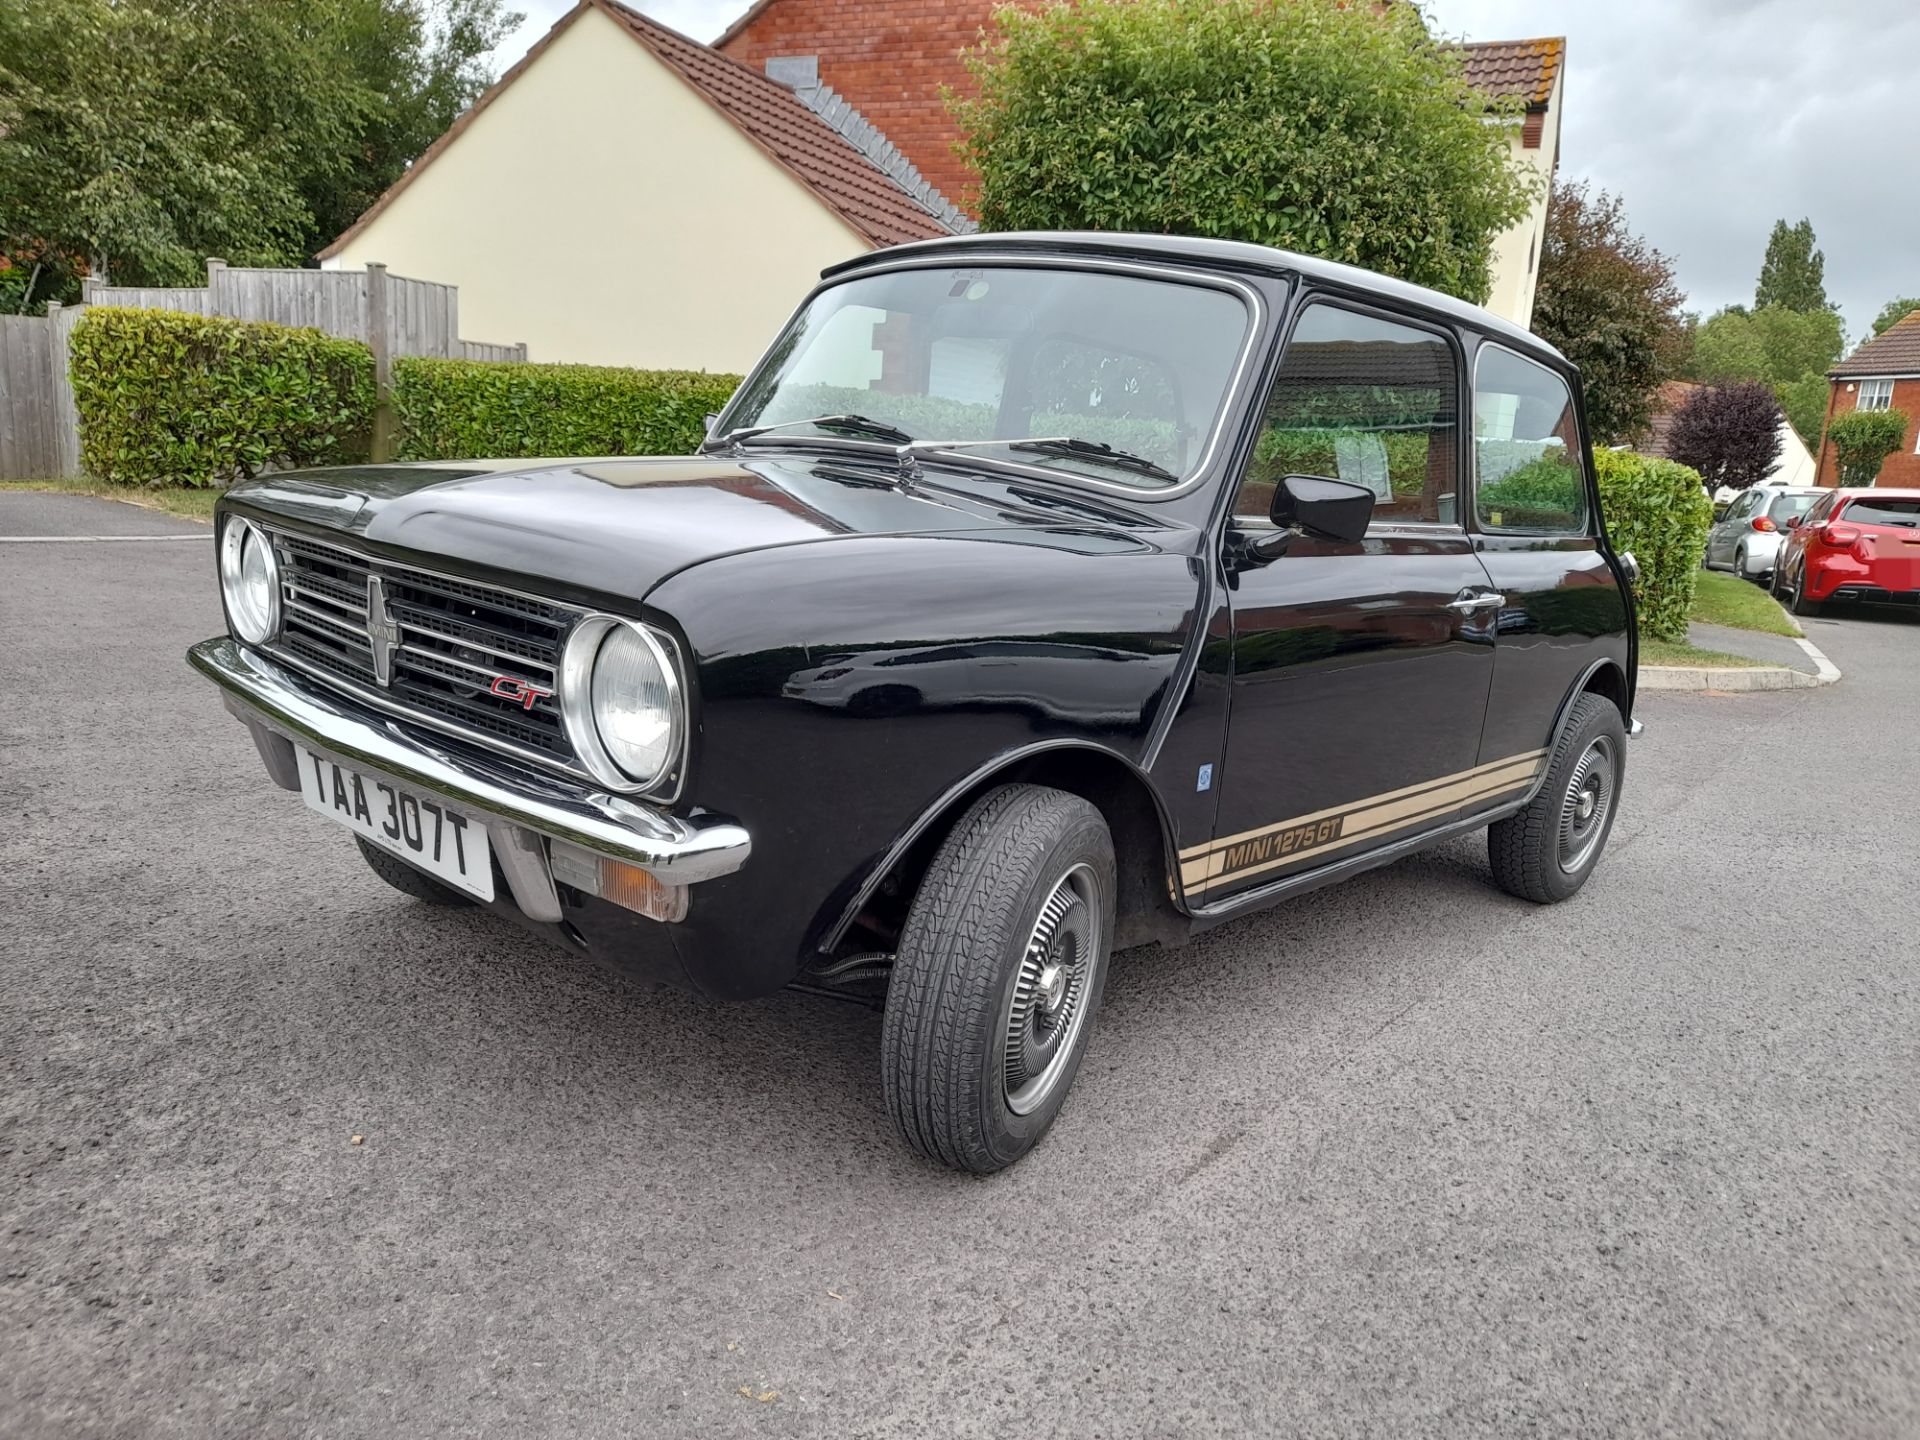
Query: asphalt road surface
(1404, 1158)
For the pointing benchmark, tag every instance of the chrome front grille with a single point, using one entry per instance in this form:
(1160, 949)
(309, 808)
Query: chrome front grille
(448, 643)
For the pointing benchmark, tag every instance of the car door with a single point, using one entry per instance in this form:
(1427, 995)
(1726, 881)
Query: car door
(1536, 523)
(1360, 672)
(1725, 533)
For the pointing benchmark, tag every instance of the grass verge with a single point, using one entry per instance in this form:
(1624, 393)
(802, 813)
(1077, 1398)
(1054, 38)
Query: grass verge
(1678, 652)
(1722, 599)
(178, 500)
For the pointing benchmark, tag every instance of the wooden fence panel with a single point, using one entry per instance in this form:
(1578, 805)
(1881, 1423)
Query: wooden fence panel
(29, 449)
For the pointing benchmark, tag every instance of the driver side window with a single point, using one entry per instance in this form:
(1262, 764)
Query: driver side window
(1367, 401)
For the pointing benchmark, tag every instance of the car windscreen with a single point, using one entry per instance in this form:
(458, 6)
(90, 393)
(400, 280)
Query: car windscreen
(1787, 507)
(1867, 510)
(1134, 371)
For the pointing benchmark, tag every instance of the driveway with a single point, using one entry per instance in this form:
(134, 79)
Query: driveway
(1405, 1157)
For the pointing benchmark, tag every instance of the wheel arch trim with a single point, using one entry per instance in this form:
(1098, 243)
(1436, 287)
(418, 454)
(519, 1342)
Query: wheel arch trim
(954, 794)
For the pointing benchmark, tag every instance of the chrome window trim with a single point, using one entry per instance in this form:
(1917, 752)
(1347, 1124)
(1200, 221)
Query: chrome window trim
(665, 788)
(1586, 530)
(1014, 260)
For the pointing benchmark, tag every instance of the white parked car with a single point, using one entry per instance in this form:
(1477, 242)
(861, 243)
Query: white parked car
(1746, 538)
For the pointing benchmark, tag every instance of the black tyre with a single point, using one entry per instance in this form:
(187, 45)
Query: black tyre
(1800, 604)
(407, 880)
(997, 977)
(1546, 851)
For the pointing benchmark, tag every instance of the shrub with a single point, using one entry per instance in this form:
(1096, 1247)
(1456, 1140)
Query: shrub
(166, 398)
(1339, 130)
(1862, 439)
(1729, 433)
(469, 409)
(1660, 511)
(1539, 494)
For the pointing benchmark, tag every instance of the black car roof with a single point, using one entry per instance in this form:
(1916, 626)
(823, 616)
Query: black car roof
(1233, 254)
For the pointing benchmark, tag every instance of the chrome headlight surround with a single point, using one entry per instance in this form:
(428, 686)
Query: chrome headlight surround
(581, 713)
(249, 581)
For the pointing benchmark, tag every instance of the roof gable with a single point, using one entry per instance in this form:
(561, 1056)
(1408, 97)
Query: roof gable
(1894, 351)
(766, 112)
(1516, 69)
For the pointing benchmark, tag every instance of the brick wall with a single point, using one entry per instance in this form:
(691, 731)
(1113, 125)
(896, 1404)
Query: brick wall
(1902, 468)
(890, 59)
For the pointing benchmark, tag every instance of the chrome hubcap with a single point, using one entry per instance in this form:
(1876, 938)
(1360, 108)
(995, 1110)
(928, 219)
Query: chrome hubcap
(1583, 818)
(1048, 1005)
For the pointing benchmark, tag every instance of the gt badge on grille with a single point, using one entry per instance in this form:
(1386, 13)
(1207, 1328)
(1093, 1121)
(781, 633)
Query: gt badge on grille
(521, 692)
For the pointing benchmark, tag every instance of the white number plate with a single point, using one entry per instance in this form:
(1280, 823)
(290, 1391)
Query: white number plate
(446, 844)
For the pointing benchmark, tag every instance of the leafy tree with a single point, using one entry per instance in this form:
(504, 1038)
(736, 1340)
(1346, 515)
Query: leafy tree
(138, 137)
(1729, 433)
(1774, 344)
(1793, 275)
(1893, 313)
(1323, 127)
(1805, 403)
(1609, 301)
(1863, 439)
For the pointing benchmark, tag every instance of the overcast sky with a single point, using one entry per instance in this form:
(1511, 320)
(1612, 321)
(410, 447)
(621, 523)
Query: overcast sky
(1712, 118)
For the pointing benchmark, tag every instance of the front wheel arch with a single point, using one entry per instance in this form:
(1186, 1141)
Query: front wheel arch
(1146, 907)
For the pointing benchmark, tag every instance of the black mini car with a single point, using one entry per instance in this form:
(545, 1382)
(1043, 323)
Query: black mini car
(1036, 596)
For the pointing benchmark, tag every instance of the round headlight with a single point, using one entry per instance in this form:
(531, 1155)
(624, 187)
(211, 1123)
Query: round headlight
(628, 730)
(250, 580)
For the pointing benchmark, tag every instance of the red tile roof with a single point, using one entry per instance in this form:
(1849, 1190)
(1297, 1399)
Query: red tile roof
(1672, 398)
(1522, 68)
(768, 113)
(1894, 351)
(764, 110)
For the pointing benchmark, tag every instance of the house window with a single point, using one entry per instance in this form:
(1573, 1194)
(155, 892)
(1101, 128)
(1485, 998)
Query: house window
(1875, 395)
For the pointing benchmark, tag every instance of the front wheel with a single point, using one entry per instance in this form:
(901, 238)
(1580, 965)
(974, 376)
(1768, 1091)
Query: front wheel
(997, 976)
(407, 880)
(1546, 852)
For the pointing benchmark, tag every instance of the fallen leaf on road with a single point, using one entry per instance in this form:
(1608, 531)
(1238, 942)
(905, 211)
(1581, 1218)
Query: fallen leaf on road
(358, 1139)
(764, 1397)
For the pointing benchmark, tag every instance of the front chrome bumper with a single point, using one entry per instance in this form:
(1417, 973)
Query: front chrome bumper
(282, 709)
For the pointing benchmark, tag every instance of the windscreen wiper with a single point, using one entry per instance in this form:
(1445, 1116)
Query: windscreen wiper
(862, 425)
(1105, 454)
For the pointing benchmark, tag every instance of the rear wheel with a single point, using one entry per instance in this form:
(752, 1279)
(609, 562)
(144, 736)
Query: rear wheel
(1546, 851)
(407, 880)
(1801, 605)
(997, 976)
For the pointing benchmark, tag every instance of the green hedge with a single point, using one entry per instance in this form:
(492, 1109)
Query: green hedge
(171, 399)
(470, 409)
(1660, 511)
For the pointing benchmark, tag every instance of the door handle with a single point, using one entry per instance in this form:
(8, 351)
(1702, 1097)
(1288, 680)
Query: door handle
(1467, 604)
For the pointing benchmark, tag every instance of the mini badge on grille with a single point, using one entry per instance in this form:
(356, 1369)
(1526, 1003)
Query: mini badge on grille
(383, 631)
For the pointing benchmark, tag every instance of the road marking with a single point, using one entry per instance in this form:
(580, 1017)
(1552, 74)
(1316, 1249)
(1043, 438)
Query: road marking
(91, 539)
(1829, 672)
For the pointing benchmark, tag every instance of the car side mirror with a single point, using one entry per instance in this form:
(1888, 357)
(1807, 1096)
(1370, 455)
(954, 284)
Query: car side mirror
(1793, 522)
(1331, 509)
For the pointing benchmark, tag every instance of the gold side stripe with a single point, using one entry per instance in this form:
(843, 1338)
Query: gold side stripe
(1322, 830)
(1375, 831)
(1532, 756)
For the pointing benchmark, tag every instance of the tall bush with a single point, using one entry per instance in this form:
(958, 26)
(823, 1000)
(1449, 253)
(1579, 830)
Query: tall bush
(1729, 433)
(464, 409)
(166, 398)
(1863, 439)
(1660, 511)
(1339, 130)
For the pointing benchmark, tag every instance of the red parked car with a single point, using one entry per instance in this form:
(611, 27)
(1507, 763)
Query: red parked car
(1852, 545)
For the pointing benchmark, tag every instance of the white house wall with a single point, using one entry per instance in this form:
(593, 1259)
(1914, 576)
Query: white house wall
(1516, 253)
(602, 211)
